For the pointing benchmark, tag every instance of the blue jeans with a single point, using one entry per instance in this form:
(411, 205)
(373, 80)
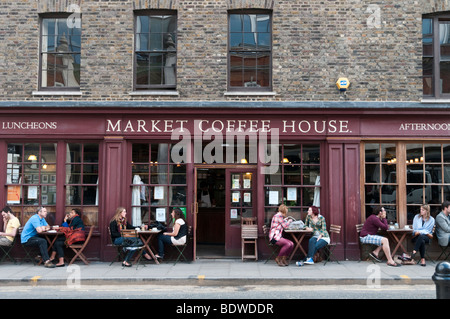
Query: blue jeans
(314, 245)
(41, 243)
(163, 239)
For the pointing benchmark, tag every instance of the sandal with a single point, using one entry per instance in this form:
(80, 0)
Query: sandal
(125, 264)
(394, 265)
(372, 255)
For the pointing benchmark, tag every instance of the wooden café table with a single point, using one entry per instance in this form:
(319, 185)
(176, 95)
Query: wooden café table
(297, 235)
(50, 236)
(146, 236)
(399, 235)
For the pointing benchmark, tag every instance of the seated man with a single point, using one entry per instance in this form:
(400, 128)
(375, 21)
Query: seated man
(443, 225)
(30, 234)
(11, 224)
(369, 235)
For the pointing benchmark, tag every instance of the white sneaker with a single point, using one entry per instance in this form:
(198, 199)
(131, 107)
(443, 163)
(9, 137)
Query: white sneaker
(309, 261)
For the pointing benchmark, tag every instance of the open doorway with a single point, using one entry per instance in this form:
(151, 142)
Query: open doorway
(211, 213)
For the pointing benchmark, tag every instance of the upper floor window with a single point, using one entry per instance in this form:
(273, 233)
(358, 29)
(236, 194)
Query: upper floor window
(436, 56)
(155, 52)
(250, 51)
(60, 54)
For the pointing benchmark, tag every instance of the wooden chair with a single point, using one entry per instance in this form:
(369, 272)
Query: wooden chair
(359, 227)
(119, 249)
(249, 235)
(335, 231)
(180, 248)
(79, 248)
(273, 248)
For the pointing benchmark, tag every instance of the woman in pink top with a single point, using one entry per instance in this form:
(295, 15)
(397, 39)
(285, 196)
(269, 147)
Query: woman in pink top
(279, 223)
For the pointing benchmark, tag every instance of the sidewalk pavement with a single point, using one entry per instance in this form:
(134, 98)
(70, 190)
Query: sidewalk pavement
(234, 272)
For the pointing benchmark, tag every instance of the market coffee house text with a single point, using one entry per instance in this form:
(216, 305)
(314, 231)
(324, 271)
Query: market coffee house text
(229, 126)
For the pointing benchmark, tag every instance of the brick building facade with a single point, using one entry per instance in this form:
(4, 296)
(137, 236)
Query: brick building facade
(378, 46)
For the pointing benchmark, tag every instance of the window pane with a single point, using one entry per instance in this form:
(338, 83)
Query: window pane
(292, 175)
(169, 23)
(388, 194)
(310, 174)
(249, 41)
(292, 153)
(372, 173)
(90, 174)
(142, 42)
(140, 153)
(235, 23)
(264, 41)
(236, 41)
(90, 153)
(142, 24)
(156, 42)
(445, 77)
(372, 152)
(433, 153)
(446, 155)
(444, 38)
(388, 152)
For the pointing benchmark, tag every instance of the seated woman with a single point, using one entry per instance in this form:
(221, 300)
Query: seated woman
(279, 223)
(423, 225)
(316, 223)
(72, 221)
(177, 236)
(118, 223)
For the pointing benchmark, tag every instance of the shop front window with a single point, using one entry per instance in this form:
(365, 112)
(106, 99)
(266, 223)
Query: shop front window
(82, 180)
(403, 176)
(427, 177)
(31, 179)
(381, 179)
(296, 183)
(158, 184)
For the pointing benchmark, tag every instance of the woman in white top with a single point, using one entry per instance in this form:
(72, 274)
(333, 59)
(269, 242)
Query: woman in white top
(177, 236)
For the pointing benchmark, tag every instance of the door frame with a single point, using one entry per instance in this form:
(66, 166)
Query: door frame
(228, 168)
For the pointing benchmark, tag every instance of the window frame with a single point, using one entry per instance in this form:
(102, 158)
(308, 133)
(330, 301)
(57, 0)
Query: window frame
(299, 211)
(405, 162)
(152, 87)
(85, 208)
(268, 88)
(436, 55)
(152, 182)
(43, 17)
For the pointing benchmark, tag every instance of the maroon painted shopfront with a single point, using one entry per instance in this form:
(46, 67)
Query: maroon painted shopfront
(151, 160)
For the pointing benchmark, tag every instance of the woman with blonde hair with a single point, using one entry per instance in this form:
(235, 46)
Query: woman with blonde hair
(279, 223)
(117, 224)
(423, 224)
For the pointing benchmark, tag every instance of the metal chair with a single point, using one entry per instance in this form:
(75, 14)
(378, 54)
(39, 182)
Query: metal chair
(180, 248)
(7, 250)
(443, 252)
(273, 248)
(329, 249)
(119, 249)
(135, 244)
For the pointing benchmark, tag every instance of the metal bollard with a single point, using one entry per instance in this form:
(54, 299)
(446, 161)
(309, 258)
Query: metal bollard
(441, 279)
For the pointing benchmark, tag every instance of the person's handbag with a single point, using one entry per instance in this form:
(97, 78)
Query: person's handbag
(73, 235)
